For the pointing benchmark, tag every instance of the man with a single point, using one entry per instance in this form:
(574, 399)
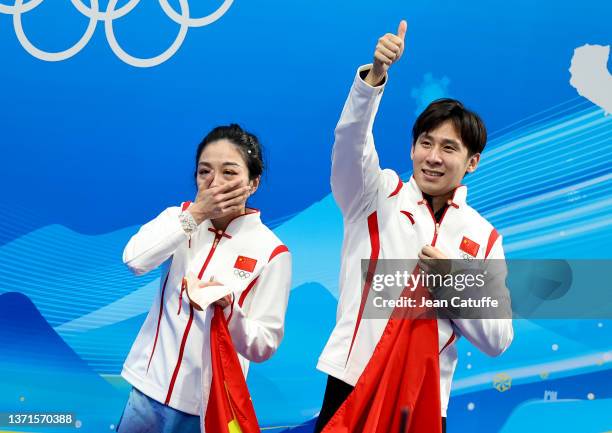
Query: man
(382, 215)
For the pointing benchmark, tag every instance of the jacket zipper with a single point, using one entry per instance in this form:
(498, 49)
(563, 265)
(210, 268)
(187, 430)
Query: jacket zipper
(218, 235)
(433, 244)
(437, 224)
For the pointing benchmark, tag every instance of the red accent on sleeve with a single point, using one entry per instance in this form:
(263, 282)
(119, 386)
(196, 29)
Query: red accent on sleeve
(492, 238)
(398, 188)
(246, 291)
(279, 249)
(409, 215)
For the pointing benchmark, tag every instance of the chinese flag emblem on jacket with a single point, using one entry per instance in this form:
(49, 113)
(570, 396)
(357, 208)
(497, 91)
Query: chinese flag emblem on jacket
(469, 246)
(229, 408)
(245, 264)
(403, 373)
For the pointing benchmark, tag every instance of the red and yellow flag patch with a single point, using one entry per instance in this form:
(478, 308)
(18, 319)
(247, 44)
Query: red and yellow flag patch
(469, 246)
(245, 264)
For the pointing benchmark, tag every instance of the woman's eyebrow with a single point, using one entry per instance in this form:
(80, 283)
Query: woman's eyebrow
(227, 163)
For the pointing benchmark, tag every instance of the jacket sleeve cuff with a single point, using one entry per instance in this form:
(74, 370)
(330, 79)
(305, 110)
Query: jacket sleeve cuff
(363, 87)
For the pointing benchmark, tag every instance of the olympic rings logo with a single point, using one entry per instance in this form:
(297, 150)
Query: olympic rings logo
(241, 274)
(94, 14)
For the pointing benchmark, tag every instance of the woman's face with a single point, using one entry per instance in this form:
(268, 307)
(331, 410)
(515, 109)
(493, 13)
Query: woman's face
(223, 161)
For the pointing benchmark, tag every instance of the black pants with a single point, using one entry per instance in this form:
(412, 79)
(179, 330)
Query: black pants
(336, 392)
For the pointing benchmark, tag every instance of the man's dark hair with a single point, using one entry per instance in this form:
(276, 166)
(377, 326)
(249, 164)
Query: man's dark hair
(469, 125)
(247, 144)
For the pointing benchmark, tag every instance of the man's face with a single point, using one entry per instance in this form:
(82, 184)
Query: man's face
(440, 160)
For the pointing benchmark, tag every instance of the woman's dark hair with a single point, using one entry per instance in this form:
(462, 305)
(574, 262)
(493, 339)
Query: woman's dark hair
(247, 144)
(468, 124)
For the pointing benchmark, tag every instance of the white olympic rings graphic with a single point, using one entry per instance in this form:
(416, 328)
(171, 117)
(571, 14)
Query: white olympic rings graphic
(94, 14)
(241, 274)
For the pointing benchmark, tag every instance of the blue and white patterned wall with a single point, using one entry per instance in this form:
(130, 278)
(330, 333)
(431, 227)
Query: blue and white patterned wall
(103, 103)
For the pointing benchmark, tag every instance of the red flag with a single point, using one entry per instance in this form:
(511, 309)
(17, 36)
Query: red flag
(245, 264)
(403, 372)
(469, 246)
(229, 408)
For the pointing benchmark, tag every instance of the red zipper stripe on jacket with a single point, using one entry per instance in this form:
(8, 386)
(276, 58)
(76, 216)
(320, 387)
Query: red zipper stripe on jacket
(492, 239)
(374, 252)
(437, 224)
(161, 312)
(180, 358)
(218, 236)
(435, 239)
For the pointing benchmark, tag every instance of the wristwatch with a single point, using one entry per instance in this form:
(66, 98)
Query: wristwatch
(187, 222)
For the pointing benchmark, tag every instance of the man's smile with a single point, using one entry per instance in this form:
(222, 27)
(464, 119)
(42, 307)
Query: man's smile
(432, 173)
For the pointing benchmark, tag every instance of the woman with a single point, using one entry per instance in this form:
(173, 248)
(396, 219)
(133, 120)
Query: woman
(222, 242)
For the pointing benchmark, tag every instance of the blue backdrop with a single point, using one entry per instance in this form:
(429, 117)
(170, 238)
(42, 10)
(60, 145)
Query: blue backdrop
(98, 139)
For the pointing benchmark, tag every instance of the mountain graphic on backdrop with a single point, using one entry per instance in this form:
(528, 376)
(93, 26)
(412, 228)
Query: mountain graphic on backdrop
(40, 372)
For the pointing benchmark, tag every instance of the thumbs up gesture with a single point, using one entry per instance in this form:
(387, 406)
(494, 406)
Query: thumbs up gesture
(389, 49)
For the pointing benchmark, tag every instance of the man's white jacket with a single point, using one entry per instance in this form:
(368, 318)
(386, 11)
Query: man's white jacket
(170, 359)
(382, 215)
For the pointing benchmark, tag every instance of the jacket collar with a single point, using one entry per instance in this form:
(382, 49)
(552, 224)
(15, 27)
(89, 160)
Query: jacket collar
(457, 200)
(242, 222)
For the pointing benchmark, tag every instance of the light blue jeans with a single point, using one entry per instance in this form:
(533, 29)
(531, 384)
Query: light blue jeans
(142, 414)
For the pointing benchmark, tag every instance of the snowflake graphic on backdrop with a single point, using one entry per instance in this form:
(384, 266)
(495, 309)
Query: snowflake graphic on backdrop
(430, 89)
